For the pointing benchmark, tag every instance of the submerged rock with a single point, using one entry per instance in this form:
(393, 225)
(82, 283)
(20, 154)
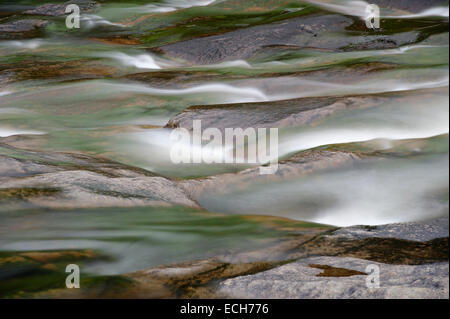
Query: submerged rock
(312, 31)
(21, 29)
(67, 70)
(267, 114)
(294, 112)
(298, 165)
(306, 279)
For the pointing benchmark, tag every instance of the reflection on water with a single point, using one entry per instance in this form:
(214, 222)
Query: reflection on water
(136, 238)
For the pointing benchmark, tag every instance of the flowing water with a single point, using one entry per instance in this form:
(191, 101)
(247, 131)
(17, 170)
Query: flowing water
(105, 90)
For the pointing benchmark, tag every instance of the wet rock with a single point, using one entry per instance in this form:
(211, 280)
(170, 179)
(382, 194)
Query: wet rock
(193, 279)
(418, 231)
(311, 31)
(185, 280)
(300, 164)
(11, 10)
(16, 162)
(55, 10)
(294, 112)
(22, 29)
(68, 70)
(19, 167)
(57, 180)
(85, 189)
(305, 279)
(267, 114)
(378, 249)
(25, 273)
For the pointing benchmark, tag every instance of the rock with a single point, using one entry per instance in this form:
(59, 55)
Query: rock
(21, 29)
(267, 114)
(312, 31)
(305, 279)
(57, 180)
(193, 279)
(294, 112)
(378, 249)
(67, 70)
(16, 162)
(418, 231)
(185, 78)
(55, 10)
(298, 165)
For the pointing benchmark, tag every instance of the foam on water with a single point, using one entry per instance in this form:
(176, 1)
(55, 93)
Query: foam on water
(358, 9)
(432, 12)
(173, 5)
(3, 93)
(374, 193)
(24, 44)
(141, 61)
(224, 92)
(5, 132)
(90, 21)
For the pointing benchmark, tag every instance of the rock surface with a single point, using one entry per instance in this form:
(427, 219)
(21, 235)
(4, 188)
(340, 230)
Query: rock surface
(303, 280)
(294, 112)
(310, 31)
(54, 10)
(419, 231)
(59, 180)
(300, 164)
(267, 114)
(21, 29)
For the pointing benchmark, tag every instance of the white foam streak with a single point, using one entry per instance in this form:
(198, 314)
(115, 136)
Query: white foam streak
(3, 93)
(227, 92)
(432, 12)
(141, 61)
(315, 88)
(173, 5)
(25, 44)
(5, 132)
(372, 194)
(89, 21)
(358, 9)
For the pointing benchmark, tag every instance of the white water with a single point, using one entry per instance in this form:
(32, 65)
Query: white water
(24, 44)
(3, 93)
(90, 21)
(223, 92)
(5, 132)
(358, 9)
(141, 61)
(432, 12)
(172, 5)
(373, 194)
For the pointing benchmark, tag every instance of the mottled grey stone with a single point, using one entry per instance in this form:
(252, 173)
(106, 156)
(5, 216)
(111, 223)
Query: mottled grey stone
(50, 9)
(312, 31)
(300, 280)
(416, 231)
(21, 29)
